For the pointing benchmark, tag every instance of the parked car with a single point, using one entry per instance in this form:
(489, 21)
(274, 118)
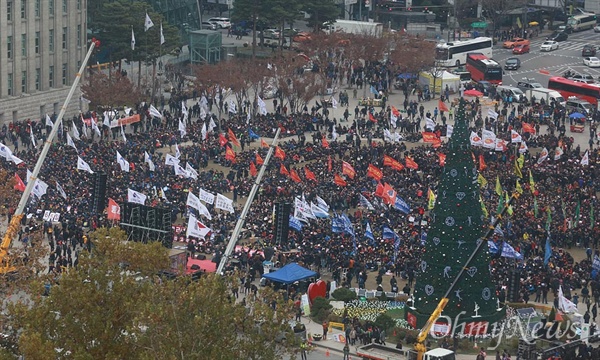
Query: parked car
(566, 28)
(270, 34)
(302, 37)
(558, 36)
(584, 78)
(290, 32)
(588, 50)
(597, 29)
(591, 61)
(512, 64)
(509, 44)
(549, 45)
(521, 49)
(526, 84)
(207, 25)
(223, 22)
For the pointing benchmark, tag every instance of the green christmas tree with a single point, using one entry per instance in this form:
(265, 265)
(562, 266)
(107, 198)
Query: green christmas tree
(458, 225)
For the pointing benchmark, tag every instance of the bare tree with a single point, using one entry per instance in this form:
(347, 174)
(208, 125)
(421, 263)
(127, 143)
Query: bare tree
(115, 90)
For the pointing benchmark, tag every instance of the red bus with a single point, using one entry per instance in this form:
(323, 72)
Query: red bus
(484, 69)
(568, 88)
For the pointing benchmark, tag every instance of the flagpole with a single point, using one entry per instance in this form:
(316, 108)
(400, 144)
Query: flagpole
(13, 227)
(238, 226)
(132, 48)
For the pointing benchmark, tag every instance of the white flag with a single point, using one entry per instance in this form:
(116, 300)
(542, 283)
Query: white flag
(206, 196)
(196, 229)
(16, 160)
(492, 114)
(148, 23)
(82, 165)
(224, 203)
(132, 48)
(123, 134)
(204, 131)
(429, 124)
(180, 171)
(33, 141)
(232, 107)
(48, 121)
(148, 160)
(76, 133)
(124, 164)
(523, 147)
(194, 202)
(543, 156)
(162, 37)
(449, 130)
(564, 304)
(191, 171)
(515, 137)
(182, 128)
(5, 152)
(262, 107)
(211, 125)
(61, 191)
(71, 143)
(475, 139)
(489, 139)
(393, 119)
(136, 197)
(177, 152)
(171, 160)
(95, 127)
(184, 110)
(39, 188)
(334, 103)
(558, 152)
(154, 112)
(585, 160)
(85, 130)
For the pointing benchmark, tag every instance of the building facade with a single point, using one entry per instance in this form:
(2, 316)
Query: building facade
(42, 45)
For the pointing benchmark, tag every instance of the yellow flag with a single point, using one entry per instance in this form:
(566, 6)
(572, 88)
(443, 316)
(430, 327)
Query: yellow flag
(531, 182)
(483, 208)
(499, 190)
(507, 199)
(481, 180)
(430, 199)
(519, 23)
(518, 187)
(518, 169)
(521, 161)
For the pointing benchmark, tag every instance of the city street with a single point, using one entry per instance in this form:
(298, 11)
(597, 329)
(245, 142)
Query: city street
(536, 63)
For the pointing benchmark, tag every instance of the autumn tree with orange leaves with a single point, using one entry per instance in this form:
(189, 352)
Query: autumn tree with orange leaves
(110, 90)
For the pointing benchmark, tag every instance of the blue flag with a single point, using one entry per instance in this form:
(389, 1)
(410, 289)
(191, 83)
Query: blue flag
(596, 263)
(337, 224)
(348, 227)
(374, 91)
(493, 247)
(423, 237)
(509, 252)
(295, 223)
(253, 135)
(401, 205)
(362, 201)
(369, 233)
(548, 251)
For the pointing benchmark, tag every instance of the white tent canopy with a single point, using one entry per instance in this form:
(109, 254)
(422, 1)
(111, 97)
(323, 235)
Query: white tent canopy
(442, 79)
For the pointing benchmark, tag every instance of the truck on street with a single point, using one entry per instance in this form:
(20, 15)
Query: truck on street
(356, 27)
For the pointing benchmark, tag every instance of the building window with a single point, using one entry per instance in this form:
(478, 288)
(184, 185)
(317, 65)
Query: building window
(9, 10)
(64, 38)
(78, 35)
(9, 47)
(23, 9)
(51, 7)
(24, 82)
(24, 45)
(51, 40)
(38, 75)
(78, 4)
(64, 74)
(65, 8)
(51, 76)
(37, 42)
(37, 8)
(10, 84)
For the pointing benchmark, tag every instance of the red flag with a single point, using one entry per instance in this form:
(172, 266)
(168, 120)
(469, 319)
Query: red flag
(113, 210)
(279, 153)
(379, 190)
(253, 171)
(429, 137)
(329, 163)
(347, 169)
(389, 161)
(294, 176)
(259, 160)
(222, 140)
(19, 184)
(395, 111)
(374, 172)
(442, 106)
(410, 163)
(338, 180)
(482, 164)
(325, 143)
(436, 143)
(309, 174)
(389, 194)
(372, 118)
(229, 154)
(233, 138)
(283, 170)
(442, 157)
(263, 143)
(528, 128)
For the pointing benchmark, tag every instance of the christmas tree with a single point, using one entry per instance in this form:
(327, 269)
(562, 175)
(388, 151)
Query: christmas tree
(457, 226)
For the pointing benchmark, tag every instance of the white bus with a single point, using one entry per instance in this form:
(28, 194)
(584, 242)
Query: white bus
(454, 53)
(582, 22)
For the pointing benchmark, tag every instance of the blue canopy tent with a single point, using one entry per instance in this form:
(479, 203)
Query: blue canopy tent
(289, 274)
